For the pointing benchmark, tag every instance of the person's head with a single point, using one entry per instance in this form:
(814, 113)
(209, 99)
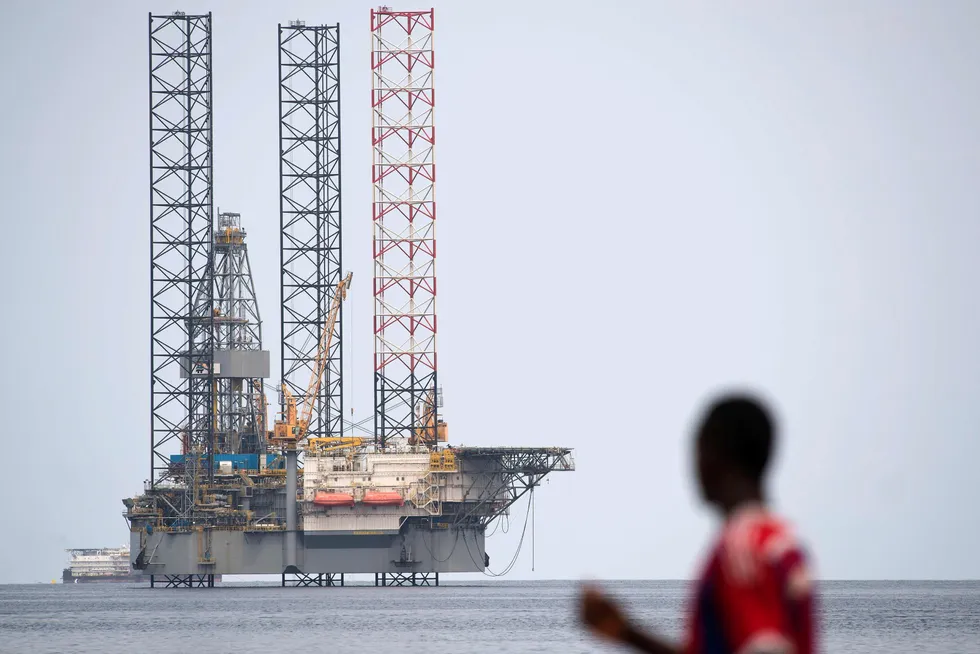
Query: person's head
(734, 442)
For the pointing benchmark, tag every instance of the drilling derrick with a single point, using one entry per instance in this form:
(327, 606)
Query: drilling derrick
(404, 216)
(240, 363)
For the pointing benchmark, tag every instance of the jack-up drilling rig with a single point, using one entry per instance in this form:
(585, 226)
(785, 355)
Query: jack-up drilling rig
(305, 501)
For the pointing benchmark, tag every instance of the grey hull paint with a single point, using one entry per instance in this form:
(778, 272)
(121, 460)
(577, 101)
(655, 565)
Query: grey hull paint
(239, 552)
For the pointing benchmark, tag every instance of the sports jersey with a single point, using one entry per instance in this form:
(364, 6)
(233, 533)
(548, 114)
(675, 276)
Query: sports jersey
(755, 593)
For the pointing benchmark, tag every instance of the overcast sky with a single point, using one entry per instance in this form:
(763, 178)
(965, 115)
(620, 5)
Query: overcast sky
(639, 203)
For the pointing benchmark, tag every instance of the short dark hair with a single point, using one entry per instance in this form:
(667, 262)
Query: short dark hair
(741, 430)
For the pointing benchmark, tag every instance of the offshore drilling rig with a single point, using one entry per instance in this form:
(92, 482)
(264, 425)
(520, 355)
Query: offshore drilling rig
(227, 494)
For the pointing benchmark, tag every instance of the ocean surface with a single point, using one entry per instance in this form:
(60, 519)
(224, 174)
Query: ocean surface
(457, 618)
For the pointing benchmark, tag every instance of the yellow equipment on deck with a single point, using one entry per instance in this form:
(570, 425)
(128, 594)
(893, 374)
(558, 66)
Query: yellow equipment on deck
(430, 429)
(332, 444)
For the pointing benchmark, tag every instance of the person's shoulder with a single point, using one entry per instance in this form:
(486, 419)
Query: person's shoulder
(779, 538)
(756, 539)
(762, 531)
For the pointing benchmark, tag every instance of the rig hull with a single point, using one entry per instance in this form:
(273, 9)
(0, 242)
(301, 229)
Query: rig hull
(448, 498)
(242, 552)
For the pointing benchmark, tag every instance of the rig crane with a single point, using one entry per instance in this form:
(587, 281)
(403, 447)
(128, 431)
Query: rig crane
(292, 428)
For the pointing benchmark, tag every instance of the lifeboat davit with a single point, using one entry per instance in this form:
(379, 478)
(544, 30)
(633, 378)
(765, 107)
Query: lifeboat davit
(383, 498)
(333, 499)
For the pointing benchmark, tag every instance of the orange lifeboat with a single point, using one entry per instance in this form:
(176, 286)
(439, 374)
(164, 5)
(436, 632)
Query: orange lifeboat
(383, 498)
(333, 499)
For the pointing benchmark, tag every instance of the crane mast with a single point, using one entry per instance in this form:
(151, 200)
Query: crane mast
(291, 429)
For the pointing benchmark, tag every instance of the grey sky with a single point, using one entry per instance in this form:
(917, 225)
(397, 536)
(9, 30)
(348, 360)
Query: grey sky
(639, 203)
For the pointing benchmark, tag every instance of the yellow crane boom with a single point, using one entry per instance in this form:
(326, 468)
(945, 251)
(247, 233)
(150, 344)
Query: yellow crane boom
(333, 444)
(294, 424)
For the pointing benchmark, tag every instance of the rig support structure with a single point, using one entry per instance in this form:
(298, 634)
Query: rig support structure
(404, 218)
(310, 212)
(181, 215)
(292, 522)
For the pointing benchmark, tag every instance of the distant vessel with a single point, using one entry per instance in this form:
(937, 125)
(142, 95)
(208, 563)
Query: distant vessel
(101, 565)
(98, 564)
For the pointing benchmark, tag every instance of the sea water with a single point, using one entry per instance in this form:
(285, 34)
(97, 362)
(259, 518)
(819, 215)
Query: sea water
(457, 618)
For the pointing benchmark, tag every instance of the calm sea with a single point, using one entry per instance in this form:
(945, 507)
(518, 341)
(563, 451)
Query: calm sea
(859, 617)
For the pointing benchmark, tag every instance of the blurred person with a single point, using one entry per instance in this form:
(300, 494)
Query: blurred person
(755, 594)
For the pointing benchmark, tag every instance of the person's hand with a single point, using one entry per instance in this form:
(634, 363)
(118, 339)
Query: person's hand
(602, 615)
